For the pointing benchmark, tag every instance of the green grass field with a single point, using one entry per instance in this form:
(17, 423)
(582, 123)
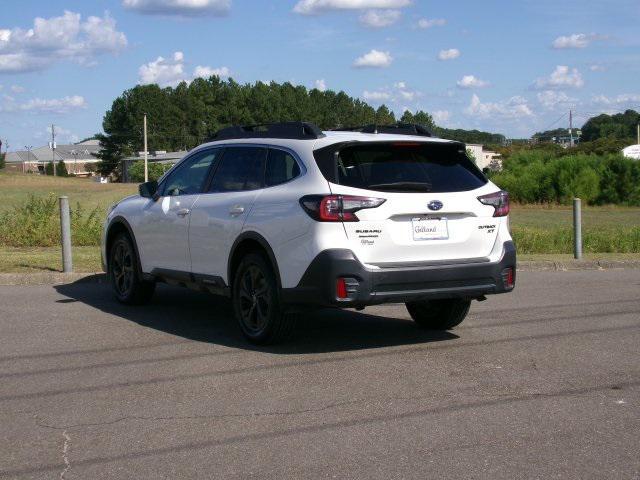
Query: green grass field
(15, 189)
(541, 232)
(558, 216)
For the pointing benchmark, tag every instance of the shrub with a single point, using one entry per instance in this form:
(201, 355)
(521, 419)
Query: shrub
(155, 170)
(539, 176)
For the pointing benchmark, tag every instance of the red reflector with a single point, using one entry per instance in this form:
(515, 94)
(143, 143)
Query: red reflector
(341, 288)
(507, 278)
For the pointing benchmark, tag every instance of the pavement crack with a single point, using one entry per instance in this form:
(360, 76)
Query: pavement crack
(214, 416)
(65, 454)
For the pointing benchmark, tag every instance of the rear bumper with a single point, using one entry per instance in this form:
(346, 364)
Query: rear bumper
(397, 285)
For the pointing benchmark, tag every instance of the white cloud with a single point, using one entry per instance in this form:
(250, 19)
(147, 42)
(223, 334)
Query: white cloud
(561, 77)
(597, 68)
(63, 135)
(17, 89)
(206, 72)
(163, 71)
(376, 96)
(425, 23)
(59, 38)
(441, 116)
(550, 99)
(380, 18)
(313, 7)
(449, 54)
(577, 40)
(320, 84)
(54, 105)
(622, 99)
(514, 108)
(373, 59)
(470, 81)
(169, 72)
(397, 94)
(181, 8)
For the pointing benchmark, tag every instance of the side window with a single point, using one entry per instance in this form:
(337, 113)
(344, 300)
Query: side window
(242, 168)
(281, 167)
(189, 178)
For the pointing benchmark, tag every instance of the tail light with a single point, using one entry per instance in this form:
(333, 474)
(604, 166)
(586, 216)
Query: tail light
(499, 201)
(508, 278)
(337, 208)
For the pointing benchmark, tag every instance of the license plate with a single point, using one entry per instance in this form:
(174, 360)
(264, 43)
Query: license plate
(429, 229)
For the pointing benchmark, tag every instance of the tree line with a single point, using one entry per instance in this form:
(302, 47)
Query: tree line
(187, 115)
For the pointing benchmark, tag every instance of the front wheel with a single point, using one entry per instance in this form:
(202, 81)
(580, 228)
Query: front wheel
(439, 314)
(124, 273)
(256, 302)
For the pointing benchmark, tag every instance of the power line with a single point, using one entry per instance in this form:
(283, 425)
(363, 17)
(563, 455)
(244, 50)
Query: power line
(554, 123)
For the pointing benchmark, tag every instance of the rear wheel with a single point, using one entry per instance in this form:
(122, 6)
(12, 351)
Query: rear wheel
(124, 273)
(439, 314)
(256, 302)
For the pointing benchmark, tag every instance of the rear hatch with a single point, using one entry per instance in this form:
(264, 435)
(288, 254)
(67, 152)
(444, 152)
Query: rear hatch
(430, 213)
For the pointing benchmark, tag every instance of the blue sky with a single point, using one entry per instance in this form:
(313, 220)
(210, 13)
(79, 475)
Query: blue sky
(502, 66)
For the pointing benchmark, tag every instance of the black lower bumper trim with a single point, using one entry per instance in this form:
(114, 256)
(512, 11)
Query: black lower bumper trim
(462, 280)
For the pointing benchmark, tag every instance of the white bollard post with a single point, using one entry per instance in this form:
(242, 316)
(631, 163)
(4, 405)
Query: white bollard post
(577, 229)
(65, 235)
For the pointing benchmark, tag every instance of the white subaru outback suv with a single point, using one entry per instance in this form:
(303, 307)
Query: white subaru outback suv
(283, 217)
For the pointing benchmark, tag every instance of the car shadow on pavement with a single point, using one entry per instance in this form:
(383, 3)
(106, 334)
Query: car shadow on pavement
(206, 318)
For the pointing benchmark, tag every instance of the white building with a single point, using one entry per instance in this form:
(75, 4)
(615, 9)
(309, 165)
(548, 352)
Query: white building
(632, 151)
(485, 158)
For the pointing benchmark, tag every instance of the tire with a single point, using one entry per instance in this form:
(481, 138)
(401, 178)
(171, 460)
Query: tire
(257, 302)
(439, 314)
(124, 273)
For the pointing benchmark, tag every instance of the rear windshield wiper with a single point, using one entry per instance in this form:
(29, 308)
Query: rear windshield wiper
(412, 186)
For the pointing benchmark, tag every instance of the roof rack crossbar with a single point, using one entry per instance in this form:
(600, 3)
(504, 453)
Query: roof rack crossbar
(396, 129)
(288, 130)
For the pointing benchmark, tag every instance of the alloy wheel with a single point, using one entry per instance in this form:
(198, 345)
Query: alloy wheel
(254, 299)
(122, 268)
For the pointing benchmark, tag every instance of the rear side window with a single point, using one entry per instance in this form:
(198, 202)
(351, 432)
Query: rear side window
(400, 167)
(241, 168)
(281, 167)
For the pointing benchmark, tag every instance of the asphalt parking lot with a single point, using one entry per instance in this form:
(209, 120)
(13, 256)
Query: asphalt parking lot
(541, 383)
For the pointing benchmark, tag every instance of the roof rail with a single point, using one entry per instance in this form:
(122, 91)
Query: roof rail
(288, 130)
(396, 129)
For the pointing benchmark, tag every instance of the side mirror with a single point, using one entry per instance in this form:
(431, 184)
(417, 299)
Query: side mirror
(148, 189)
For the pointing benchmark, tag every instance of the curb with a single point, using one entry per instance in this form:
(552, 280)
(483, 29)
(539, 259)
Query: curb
(50, 278)
(58, 278)
(548, 265)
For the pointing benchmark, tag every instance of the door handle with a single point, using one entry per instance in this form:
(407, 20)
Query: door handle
(236, 210)
(183, 212)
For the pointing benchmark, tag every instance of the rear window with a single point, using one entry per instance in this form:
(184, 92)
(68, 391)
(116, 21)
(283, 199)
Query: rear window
(400, 167)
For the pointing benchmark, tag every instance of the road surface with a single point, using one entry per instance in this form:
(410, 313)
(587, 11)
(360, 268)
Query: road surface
(541, 383)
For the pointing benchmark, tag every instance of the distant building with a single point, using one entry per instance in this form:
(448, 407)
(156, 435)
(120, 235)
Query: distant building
(76, 158)
(485, 158)
(159, 156)
(632, 151)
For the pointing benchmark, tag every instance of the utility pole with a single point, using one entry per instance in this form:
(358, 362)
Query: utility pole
(28, 149)
(570, 128)
(53, 149)
(146, 167)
